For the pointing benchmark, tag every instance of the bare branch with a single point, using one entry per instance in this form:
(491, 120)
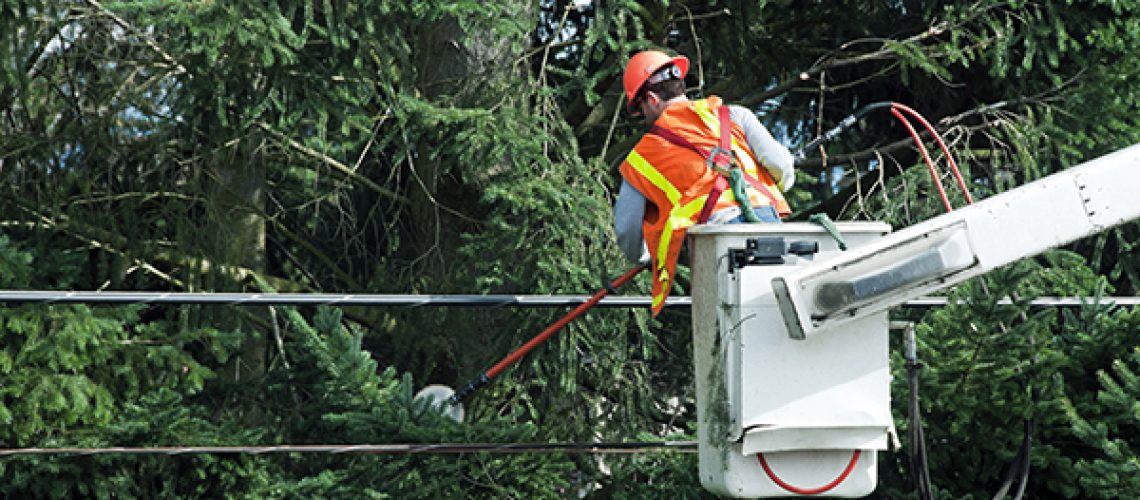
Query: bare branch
(332, 162)
(824, 65)
(150, 42)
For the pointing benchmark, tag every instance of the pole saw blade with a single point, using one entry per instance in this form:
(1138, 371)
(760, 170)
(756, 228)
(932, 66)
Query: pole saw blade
(441, 399)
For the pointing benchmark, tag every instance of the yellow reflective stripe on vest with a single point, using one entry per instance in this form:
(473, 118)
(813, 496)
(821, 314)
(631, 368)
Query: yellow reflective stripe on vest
(651, 174)
(680, 217)
(706, 114)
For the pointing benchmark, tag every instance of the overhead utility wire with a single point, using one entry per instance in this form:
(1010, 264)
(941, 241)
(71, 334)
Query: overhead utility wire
(528, 301)
(390, 449)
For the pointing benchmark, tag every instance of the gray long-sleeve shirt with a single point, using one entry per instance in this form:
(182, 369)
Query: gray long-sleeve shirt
(629, 209)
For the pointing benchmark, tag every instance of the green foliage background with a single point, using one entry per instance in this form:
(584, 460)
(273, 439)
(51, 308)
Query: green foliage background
(471, 147)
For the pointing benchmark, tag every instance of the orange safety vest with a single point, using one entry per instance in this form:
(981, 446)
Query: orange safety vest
(677, 182)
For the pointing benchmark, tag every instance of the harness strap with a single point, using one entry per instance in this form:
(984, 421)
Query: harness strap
(725, 132)
(710, 202)
(672, 137)
(722, 159)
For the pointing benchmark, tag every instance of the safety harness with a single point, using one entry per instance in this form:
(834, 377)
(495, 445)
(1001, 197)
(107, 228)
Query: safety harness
(722, 160)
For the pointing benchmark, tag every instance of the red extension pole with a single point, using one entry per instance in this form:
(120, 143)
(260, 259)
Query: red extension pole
(513, 357)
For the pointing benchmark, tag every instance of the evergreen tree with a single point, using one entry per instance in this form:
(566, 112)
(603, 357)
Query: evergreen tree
(468, 147)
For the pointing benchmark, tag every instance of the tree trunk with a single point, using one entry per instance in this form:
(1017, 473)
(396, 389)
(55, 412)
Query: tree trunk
(457, 59)
(235, 231)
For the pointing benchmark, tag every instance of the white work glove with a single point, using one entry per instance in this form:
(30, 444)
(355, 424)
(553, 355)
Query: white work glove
(781, 165)
(786, 180)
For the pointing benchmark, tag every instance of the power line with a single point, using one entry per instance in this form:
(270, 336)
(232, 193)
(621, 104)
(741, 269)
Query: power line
(390, 449)
(387, 300)
(85, 297)
(1038, 303)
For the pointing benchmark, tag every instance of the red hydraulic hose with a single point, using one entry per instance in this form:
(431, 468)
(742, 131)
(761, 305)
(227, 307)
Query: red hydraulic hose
(925, 156)
(809, 491)
(942, 146)
(513, 357)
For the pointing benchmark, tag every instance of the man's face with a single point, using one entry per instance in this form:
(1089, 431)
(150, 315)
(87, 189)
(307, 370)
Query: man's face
(650, 107)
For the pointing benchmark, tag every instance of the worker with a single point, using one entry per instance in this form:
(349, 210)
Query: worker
(690, 168)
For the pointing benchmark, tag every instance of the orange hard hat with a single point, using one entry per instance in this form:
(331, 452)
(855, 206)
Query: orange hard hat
(643, 65)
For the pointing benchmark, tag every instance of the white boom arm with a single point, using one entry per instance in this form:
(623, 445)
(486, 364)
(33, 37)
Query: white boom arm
(951, 248)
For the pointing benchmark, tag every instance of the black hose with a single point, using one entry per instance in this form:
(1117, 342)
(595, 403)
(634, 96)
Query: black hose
(844, 124)
(1021, 462)
(919, 467)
